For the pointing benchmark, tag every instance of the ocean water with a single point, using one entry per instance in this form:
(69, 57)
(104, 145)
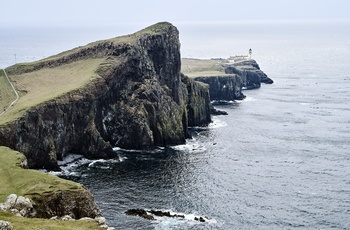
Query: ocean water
(279, 160)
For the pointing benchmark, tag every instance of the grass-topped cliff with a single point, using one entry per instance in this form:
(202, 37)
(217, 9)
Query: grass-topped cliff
(52, 77)
(203, 67)
(39, 187)
(125, 91)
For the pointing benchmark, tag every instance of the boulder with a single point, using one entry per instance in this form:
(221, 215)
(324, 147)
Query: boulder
(18, 205)
(4, 225)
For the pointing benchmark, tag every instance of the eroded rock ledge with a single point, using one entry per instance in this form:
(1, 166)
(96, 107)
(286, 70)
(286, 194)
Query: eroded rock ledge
(139, 101)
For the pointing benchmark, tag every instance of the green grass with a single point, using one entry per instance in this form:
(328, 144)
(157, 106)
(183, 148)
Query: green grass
(27, 182)
(202, 67)
(49, 83)
(37, 83)
(7, 96)
(45, 224)
(32, 183)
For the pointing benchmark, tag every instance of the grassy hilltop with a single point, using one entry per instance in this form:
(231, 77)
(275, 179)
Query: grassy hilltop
(203, 67)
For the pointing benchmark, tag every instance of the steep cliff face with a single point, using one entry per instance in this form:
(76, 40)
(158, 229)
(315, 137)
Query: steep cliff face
(228, 87)
(198, 102)
(139, 101)
(250, 73)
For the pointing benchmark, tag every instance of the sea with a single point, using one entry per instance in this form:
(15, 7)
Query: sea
(280, 159)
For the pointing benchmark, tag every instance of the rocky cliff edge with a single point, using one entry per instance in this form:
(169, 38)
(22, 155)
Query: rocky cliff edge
(137, 99)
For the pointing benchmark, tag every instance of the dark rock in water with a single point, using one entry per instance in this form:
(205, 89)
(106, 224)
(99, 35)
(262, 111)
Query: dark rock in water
(200, 219)
(139, 212)
(250, 73)
(167, 214)
(140, 100)
(228, 87)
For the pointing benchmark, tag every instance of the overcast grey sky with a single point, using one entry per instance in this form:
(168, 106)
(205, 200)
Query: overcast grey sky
(106, 12)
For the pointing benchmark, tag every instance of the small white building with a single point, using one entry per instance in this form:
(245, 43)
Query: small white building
(241, 57)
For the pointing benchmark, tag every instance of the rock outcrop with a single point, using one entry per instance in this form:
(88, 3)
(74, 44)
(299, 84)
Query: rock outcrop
(227, 87)
(76, 204)
(239, 75)
(250, 73)
(18, 205)
(5, 225)
(139, 101)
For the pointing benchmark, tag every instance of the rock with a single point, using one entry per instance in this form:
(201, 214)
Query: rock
(18, 205)
(101, 220)
(66, 218)
(226, 88)
(86, 219)
(200, 219)
(24, 206)
(198, 102)
(77, 204)
(10, 202)
(4, 225)
(214, 111)
(250, 73)
(139, 101)
(139, 212)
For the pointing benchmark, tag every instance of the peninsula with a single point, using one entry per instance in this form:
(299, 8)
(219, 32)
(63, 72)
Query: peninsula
(125, 92)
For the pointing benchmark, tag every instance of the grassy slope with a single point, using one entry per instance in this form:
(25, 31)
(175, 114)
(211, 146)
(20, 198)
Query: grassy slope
(6, 93)
(29, 183)
(46, 84)
(45, 224)
(202, 67)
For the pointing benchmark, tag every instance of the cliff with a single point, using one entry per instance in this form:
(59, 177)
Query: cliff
(126, 92)
(225, 87)
(225, 79)
(50, 196)
(250, 73)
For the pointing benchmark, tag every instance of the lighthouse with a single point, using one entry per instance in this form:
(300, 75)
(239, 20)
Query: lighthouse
(250, 54)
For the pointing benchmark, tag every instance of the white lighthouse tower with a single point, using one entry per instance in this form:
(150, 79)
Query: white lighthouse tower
(250, 54)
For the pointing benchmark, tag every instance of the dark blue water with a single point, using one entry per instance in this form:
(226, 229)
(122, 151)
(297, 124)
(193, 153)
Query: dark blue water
(279, 160)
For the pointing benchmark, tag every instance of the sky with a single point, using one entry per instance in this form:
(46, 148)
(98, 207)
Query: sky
(109, 12)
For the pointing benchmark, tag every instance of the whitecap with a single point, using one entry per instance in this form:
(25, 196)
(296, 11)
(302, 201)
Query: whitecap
(69, 159)
(192, 145)
(217, 123)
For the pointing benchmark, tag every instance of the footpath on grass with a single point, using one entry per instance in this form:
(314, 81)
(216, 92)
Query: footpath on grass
(14, 90)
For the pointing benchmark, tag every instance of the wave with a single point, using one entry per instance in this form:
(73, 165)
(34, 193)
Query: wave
(192, 145)
(217, 123)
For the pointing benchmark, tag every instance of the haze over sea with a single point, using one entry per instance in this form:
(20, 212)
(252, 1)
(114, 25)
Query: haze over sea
(279, 160)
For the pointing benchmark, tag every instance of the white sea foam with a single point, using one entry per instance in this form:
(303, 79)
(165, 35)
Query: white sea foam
(247, 99)
(192, 145)
(69, 159)
(169, 223)
(217, 123)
